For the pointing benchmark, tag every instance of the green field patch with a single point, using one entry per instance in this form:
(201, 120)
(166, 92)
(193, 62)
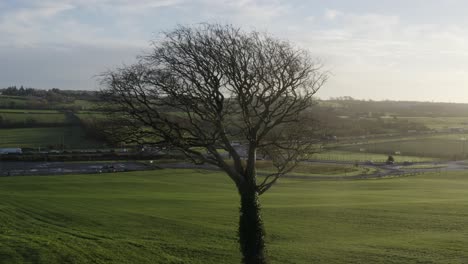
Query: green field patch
(13, 101)
(460, 137)
(70, 137)
(424, 147)
(187, 216)
(79, 105)
(28, 111)
(364, 156)
(32, 118)
(318, 169)
(91, 116)
(425, 166)
(30, 102)
(439, 122)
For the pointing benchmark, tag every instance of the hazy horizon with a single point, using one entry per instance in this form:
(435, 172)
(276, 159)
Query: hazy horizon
(399, 50)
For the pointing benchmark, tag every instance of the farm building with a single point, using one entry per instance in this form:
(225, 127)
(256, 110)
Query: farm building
(10, 151)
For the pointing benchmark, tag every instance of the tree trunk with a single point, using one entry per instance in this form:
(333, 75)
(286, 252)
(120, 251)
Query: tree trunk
(251, 231)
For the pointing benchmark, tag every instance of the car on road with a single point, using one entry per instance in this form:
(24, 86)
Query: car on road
(108, 168)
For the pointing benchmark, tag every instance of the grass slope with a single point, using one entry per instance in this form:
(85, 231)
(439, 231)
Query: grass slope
(184, 216)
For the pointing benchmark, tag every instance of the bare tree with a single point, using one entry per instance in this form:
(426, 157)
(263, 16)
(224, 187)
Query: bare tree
(201, 88)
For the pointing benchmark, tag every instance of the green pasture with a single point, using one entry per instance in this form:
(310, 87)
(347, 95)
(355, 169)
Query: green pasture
(318, 169)
(29, 111)
(19, 102)
(79, 104)
(425, 166)
(13, 101)
(187, 216)
(439, 122)
(460, 137)
(71, 137)
(32, 117)
(357, 155)
(423, 147)
(91, 115)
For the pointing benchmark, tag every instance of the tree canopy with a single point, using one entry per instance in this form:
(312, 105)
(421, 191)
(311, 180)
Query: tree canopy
(203, 87)
(206, 89)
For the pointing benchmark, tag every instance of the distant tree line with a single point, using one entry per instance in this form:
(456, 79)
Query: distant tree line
(31, 98)
(14, 91)
(347, 105)
(52, 95)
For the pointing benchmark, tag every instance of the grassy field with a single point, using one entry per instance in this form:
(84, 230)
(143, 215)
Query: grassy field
(425, 166)
(81, 104)
(71, 137)
(184, 216)
(439, 122)
(13, 101)
(314, 169)
(33, 117)
(29, 111)
(91, 115)
(364, 156)
(426, 147)
(19, 102)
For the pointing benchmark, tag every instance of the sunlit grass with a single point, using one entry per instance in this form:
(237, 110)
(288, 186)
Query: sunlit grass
(190, 216)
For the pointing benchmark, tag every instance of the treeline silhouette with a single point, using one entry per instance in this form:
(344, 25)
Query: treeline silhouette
(31, 98)
(368, 108)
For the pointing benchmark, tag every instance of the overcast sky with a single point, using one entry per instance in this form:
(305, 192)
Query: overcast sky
(396, 49)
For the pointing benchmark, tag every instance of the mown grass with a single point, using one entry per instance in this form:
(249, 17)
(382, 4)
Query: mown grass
(186, 216)
(71, 137)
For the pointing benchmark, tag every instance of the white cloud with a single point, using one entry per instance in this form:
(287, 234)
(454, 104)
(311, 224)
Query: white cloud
(23, 26)
(310, 18)
(251, 12)
(378, 56)
(47, 22)
(371, 54)
(332, 14)
(125, 6)
(37, 11)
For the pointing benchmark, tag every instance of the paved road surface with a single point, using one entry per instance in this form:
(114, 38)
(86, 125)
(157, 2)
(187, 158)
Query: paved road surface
(13, 168)
(383, 170)
(10, 168)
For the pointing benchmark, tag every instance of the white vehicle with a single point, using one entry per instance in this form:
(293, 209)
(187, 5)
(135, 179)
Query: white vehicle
(4, 151)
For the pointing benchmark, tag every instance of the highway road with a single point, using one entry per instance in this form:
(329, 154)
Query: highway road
(10, 168)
